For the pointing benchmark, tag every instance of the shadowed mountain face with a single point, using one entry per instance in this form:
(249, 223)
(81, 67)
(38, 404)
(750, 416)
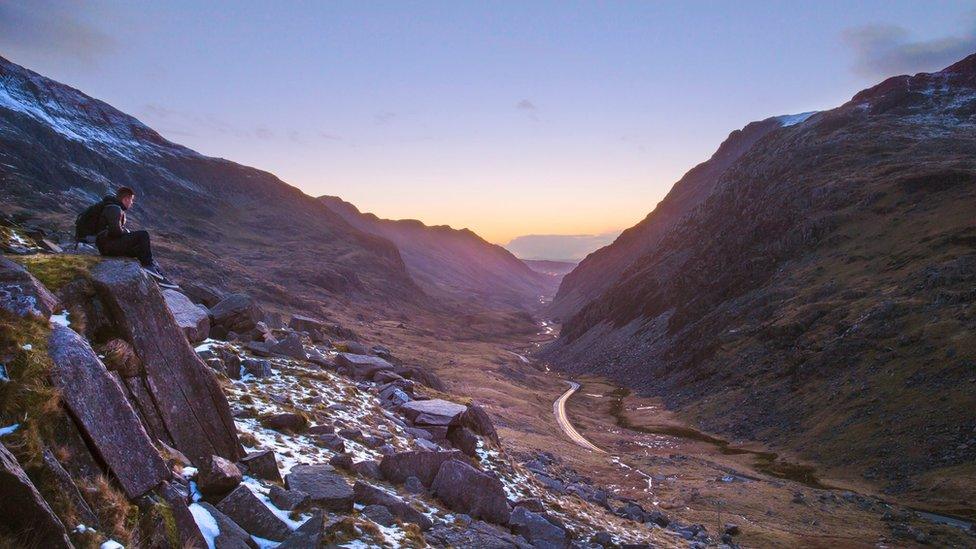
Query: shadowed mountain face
(599, 269)
(454, 263)
(215, 221)
(821, 294)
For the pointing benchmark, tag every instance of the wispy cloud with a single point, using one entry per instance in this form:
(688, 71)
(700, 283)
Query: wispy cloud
(887, 50)
(529, 108)
(52, 27)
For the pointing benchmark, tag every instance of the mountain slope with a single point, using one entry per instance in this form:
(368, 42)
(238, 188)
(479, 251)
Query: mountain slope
(822, 297)
(598, 270)
(451, 262)
(214, 221)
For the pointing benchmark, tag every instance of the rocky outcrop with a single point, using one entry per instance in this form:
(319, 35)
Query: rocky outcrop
(22, 294)
(24, 512)
(193, 319)
(102, 411)
(189, 400)
(467, 490)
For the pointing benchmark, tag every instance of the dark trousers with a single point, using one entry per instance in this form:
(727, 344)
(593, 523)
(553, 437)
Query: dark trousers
(134, 244)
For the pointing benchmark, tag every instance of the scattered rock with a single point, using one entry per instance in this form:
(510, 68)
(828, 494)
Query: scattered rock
(379, 514)
(237, 312)
(23, 508)
(219, 477)
(421, 464)
(414, 486)
(540, 532)
(476, 419)
(463, 439)
(231, 535)
(331, 442)
(313, 327)
(192, 318)
(256, 367)
(467, 490)
(262, 465)
(201, 293)
(244, 508)
(179, 517)
(367, 468)
(361, 366)
(324, 486)
(476, 534)
(308, 535)
(287, 499)
(290, 346)
(367, 494)
(288, 422)
(431, 412)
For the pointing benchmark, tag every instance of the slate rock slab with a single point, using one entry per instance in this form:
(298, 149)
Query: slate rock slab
(361, 366)
(468, 490)
(186, 525)
(237, 313)
(103, 413)
(244, 508)
(308, 535)
(476, 419)
(189, 399)
(263, 465)
(290, 346)
(231, 535)
(24, 510)
(431, 412)
(324, 486)
(219, 477)
(193, 319)
(287, 499)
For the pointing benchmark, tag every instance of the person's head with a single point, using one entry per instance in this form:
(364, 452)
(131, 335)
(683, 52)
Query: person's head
(126, 196)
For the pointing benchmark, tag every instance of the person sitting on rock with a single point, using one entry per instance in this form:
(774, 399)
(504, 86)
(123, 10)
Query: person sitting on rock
(114, 240)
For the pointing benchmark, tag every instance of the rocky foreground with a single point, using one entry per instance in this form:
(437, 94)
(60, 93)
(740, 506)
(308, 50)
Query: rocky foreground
(131, 416)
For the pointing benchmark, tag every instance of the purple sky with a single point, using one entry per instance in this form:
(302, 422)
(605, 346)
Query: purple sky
(510, 118)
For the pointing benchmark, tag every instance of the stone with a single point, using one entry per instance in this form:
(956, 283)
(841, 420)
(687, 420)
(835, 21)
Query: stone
(219, 477)
(313, 327)
(321, 429)
(237, 313)
(540, 532)
(181, 516)
(367, 468)
(317, 358)
(463, 439)
(22, 294)
(394, 396)
(476, 419)
(231, 535)
(379, 514)
(244, 508)
(386, 376)
(288, 422)
(263, 465)
(427, 445)
(193, 319)
(190, 401)
(65, 486)
(431, 412)
(308, 535)
(382, 352)
(367, 494)
(422, 376)
(331, 442)
(421, 464)
(201, 293)
(324, 486)
(287, 499)
(290, 346)
(24, 510)
(532, 504)
(259, 348)
(417, 432)
(103, 413)
(468, 490)
(256, 367)
(361, 366)
(354, 347)
(414, 486)
(341, 461)
(603, 539)
(476, 534)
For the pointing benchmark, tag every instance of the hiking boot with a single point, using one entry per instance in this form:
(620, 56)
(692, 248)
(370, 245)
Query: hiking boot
(161, 281)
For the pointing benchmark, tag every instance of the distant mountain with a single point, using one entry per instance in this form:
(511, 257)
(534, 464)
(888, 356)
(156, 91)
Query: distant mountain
(559, 247)
(214, 221)
(552, 268)
(813, 286)
(599, 269)
(451, 262)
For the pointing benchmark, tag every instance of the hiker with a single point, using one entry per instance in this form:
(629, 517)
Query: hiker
(106, 221)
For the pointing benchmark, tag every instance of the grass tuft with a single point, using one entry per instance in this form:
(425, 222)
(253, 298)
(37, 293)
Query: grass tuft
(56, 270)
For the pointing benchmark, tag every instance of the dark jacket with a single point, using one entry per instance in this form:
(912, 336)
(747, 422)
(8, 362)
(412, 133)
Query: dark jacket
(112, 222)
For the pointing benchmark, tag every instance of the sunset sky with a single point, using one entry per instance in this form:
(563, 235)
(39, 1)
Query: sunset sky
(509, 118)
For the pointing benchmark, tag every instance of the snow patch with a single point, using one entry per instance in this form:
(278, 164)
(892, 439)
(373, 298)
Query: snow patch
(61, 319)
(9, 429)
(207, 524)
(794, 119)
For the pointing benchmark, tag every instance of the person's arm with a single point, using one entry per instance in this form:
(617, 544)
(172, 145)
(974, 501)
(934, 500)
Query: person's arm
(113, 221)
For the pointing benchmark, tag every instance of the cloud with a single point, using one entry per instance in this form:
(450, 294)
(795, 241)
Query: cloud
(53, 28)
(559, 247)
(526, 105)
(887, 50)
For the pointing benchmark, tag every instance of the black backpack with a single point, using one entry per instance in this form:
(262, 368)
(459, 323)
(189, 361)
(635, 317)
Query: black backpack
(87, 222)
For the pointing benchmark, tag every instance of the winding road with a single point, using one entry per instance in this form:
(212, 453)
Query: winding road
(559, 408)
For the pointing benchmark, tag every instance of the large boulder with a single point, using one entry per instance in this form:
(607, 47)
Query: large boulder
(424, 465)
(290, 346)
(192, 318)
(22, 294)
(219, 477)
(476, 419)
(237, 313)
(324, 486)
(536, 528)
(431, 412)
(467, 490)
(103, 413)
(361, 366)
(313, 327)
(262, 464)
(190, 402)
(23, 509)
(244, 508)
(180, 518)
(476, 534)
(367, 494)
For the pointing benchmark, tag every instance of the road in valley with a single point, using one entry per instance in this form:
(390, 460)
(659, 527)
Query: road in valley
(559, 408)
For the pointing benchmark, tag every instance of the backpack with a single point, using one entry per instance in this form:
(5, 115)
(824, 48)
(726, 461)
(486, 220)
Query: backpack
(87, 222)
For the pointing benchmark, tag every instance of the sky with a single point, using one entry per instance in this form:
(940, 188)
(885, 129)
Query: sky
(508, 118)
